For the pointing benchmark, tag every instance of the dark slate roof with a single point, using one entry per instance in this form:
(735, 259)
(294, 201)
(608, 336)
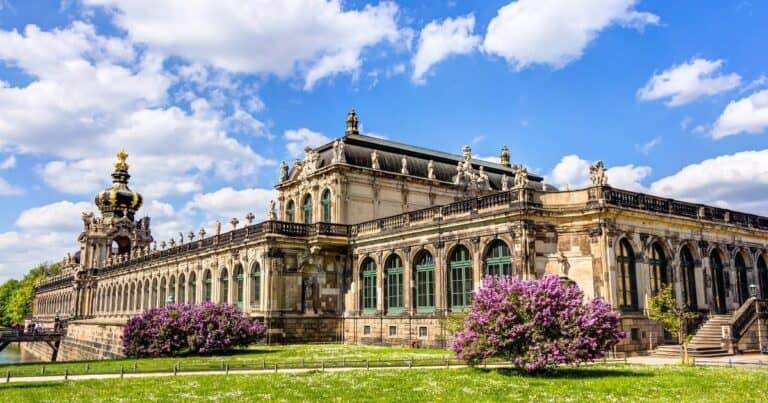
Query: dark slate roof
(358, 149)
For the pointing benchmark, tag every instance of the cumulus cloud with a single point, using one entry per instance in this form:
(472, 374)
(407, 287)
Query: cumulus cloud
(573, 172)
(686, 82)
(746, 115)
(7, 189)
(646, 148)
(99, 94)
(313, 38)
(738, 181)
(439, 40)
(556, 32)
(8, 163)
(227, 202)
(298, 139)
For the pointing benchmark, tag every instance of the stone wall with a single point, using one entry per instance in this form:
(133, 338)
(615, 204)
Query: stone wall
(642, 334)
(750, 342)
(398, 330)
(85, 340)
(298, 329)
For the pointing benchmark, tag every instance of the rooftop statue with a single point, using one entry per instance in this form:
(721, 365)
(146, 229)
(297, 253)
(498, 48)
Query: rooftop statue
(597, 174)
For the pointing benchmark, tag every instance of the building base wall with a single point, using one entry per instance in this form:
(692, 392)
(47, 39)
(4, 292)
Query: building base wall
(85, 340)
(326, 329)
(643, 334)
(394, 330)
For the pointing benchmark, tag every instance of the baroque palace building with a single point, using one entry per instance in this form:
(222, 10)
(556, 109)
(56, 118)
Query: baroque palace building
(375, 241)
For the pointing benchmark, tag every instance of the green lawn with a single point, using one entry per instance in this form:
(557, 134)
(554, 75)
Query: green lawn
(616, 382)
(253, 358)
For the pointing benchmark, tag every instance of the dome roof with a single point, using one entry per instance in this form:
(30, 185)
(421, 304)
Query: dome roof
(119, 200)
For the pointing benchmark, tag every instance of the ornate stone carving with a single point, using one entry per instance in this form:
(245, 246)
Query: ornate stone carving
(597, 174)
(504, 182)
(521, 177)
(338, 152)
(283, 171)
(375, 160)
(272, 214)
(404, 165)
(483, 183)
(431, 169)
(218, 227)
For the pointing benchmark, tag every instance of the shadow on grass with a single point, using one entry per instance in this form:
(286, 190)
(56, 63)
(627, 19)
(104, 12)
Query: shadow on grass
(569, 373)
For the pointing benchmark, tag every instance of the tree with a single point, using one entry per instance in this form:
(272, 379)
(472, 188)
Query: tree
(663, 308)
(21, 296)
(7, 290)
(536, 324)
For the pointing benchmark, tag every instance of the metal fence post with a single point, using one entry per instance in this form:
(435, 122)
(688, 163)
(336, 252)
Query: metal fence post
(7, 376)
(367, 365)
(122, 371)
(87, 368)
(66, 373)
(226, 369)
(322, 366)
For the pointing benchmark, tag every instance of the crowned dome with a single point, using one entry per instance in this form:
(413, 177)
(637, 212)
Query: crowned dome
(119, 200)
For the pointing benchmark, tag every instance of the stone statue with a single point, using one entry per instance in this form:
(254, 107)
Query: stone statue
(483, 183)
(218, 227)
(504, 182)
(404, 166)
(375, 160)
(191, 236)
(234, 221)
(283, 171)
(597, 174)
(431, 170)
(459, 173)
(202, 233)
(249, 217)
(338, 152)
(521, 177)
(181, 238)
(172, 242)
(272, 214)
(564, 265)
(467, 152)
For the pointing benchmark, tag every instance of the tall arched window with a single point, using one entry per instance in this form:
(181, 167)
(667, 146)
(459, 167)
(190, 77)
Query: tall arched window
(741, 278)
(153, 302)
(224, 287)
(424, 273)
(147, 304)
(307, 209)
(290, 211)
(658, 267)
(626, 277)
(162, 292)
(497, 259)
(460, 278)
(394, 287)
(256, 285)
(688, 269)
(368, 282)
(718, 283)
(192, 288)
(172, 290)
(762, 276)
(239, 281)
(325, 201)
(182, 289)
(207, 286)
(139, 294)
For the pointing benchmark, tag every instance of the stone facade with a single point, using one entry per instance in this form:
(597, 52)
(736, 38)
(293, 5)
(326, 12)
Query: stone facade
(379, 242)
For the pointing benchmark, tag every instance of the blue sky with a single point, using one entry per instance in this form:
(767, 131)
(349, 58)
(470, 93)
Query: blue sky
(208, 97)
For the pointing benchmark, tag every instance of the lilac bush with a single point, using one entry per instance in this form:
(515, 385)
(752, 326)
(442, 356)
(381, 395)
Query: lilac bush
(205, 328)
(536, 324)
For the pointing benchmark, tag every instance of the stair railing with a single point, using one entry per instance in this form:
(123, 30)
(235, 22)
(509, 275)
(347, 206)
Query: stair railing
(743, 318)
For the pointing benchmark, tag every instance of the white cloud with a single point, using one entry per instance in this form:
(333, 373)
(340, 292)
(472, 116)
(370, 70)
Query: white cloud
(8, 163)
(6, 189)
(746, 115)
(573, 172)
(298, 139)
(439, 40)
(759, 82)
(43, 233)
(315, 38)
(738, 181)
(226, 203)
(647, 147)
(689, 81)
(556, 32)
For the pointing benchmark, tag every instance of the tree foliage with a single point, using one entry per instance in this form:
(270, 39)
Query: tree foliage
(205, 328)
(663, 308)
(536, 324)
(16, 297)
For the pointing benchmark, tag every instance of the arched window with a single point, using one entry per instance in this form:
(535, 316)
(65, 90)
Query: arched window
(146, 294)
(224, 287)
(172, 290)
(626, 277)
(126, 292)
(290, 212)
(424, 274)
(460, 278)
(239, 281)
(207, 286)
(368, 282)
(719, 282)
(162, 293)
(182, 289)
(326, 204)
(307, 209)
(741, 278)
(658, 268)
(688, 269)
(256, 285)
(139, 293)
(497, 259)
(762, 277)
(192, 288)
(394, 288)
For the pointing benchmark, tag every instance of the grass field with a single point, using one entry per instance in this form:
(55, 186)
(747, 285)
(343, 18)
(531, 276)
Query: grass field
(254, 357)
(616, 382)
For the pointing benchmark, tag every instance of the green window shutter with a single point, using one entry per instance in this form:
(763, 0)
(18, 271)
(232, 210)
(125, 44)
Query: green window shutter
(369, 286)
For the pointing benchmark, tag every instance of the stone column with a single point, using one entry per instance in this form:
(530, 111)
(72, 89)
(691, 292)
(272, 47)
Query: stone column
(380, 283)
(440, 283)
(408, 304)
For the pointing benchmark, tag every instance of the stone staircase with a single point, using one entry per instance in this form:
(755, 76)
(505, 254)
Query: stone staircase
(707, 342)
